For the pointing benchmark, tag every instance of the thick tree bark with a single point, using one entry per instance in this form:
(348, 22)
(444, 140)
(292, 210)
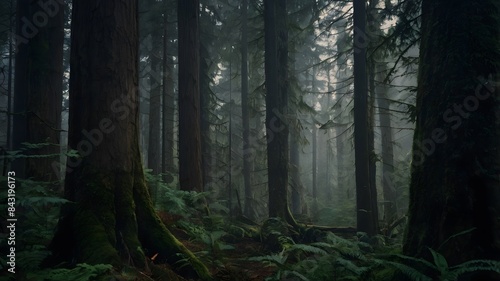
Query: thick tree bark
(456, 157)
(112, 220)
(364, 196)
(38, 86)
(190, 171)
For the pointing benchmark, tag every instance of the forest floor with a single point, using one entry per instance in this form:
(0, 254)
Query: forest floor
(233, 248)
(315, 254)
(231, 264)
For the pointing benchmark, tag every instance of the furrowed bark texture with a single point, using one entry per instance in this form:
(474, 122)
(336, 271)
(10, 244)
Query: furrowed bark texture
(112, 220)
(456, 157)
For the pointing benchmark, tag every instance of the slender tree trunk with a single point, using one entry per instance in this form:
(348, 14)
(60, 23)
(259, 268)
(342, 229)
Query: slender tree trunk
(341, 130)
(295, 125)
(167, 162)
(371, 141)
(190, 171)
(205, 100)
(456, 156)
(295, 176)
(364, 196)
(21, 89)
(230, 144)
(38, 86)
(328, 142)
(315, 168)
(247, 149)
(390, 207)
(155, 60)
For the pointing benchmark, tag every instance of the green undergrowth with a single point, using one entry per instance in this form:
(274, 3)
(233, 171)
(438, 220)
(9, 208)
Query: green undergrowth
(36, 209)
(204, 225)
(362, 259)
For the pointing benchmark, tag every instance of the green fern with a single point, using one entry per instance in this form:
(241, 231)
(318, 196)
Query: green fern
(30, 260)
(278, 260)
(411, 272)
(475, 265)
(82, 272)
(440, 265)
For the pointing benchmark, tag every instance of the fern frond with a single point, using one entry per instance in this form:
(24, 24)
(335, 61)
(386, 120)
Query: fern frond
(406, 270)
(411, 259)
(350, 266)
(82, 272)
(271, 259)
(30, 260)
(296, 274)
(307, 249)
(440, 262)
(475, 265)
(42, 201)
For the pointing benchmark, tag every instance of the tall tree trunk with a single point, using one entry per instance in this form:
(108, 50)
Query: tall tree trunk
(21, 88)
(314, 168)
(247, 149)
(364, 196)
(230, 144)
(205, 103)
(112, 220)
(328, 141)
(371, 141)
(155, 60)
(295, 125)
(296, 183)
(38, 86)
(276, 69)
(167, 162)
(390, 208)
(342, 130)
(340, 133)
(190, 172)
(456, 154)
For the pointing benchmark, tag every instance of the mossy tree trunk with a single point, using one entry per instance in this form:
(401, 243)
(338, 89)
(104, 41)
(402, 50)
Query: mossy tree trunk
(112, 220)
(456, 157)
